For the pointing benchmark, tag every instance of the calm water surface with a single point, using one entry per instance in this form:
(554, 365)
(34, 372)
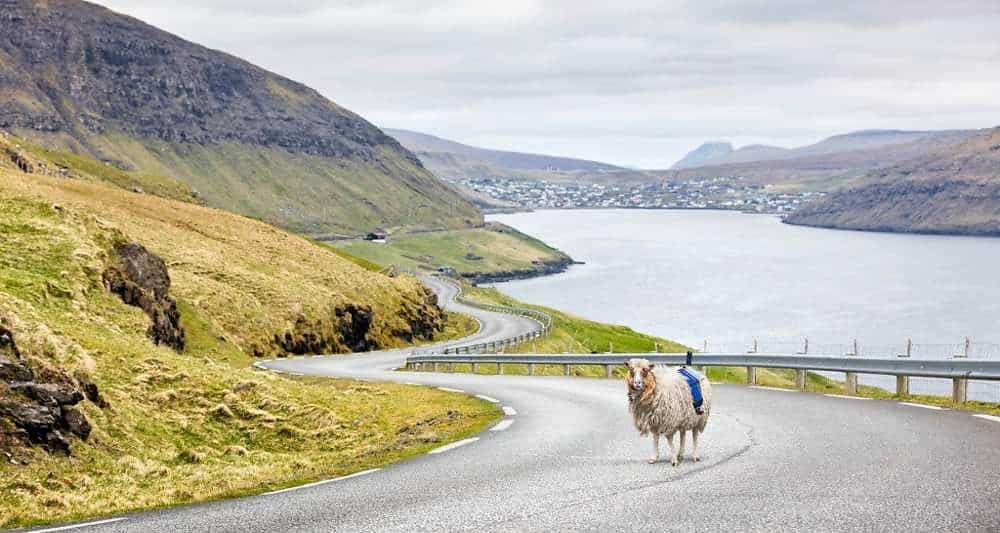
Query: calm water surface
(728, 278)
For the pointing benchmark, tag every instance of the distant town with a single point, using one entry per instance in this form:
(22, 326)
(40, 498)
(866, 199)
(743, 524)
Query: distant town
(734, 193)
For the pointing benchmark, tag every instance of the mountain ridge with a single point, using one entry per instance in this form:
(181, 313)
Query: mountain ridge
(951, 190)
(77, 76)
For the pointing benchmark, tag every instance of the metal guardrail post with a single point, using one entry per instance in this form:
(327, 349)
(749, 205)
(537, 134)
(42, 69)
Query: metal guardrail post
(475, 367)
(752, 371)
(903, 382)
(960, 386)
(531, 369)
(800, 374)
(499, 369)
(566, 371)
(609, 371)
(851, 378)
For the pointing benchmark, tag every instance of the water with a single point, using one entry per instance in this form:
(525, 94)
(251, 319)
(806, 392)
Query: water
(729, 278)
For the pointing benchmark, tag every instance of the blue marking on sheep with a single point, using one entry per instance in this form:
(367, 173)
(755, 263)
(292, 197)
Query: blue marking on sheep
(694, 382)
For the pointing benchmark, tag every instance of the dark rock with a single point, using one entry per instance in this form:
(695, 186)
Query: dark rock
(50, 394)
(7, 346)
(11, 372)
(76, 422)
(92, 393)
(140, 279)
(355, 321)
(32, 412)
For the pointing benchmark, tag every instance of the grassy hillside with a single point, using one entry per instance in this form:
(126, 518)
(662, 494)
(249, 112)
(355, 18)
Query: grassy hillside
(305, 193)
(75, 76)
(951, 190)
(495, 251)
(197, 424)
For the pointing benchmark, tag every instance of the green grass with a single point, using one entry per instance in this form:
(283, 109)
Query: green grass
(81, 167)
(198, 425)
(494, 248)
(307, 194)
(574, 335)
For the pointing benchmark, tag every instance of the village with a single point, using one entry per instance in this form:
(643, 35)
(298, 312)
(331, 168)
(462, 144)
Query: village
(735, 193)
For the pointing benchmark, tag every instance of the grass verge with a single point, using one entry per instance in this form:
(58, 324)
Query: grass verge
(571, 334)
(200, 424)
(493, 249)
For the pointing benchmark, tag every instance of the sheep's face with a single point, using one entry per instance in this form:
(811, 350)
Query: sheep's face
(640, 376)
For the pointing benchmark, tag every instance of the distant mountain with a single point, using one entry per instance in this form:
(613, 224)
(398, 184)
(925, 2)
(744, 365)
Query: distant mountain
(953, 190)
(76, 76)
(709, 152)
(716, 153)
(826, 165)
(422, 143)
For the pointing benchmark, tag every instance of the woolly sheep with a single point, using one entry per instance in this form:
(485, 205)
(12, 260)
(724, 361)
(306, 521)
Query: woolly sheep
(660, 402)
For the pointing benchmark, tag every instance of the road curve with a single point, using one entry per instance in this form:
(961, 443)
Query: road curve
(569, 459)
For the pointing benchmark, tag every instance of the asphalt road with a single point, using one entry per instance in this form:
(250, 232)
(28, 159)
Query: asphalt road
(569, 459)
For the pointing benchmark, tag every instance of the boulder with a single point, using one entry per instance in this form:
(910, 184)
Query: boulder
(140, 279)
(76, 422)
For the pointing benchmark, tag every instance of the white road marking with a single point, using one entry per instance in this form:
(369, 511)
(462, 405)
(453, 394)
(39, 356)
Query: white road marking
(412, 384)
(487, 398)
(509, 411)
(502, 425)
(847, 397)
(934, 407)
(324, 482)
(446, 389)
(318, 356)
(77, 526)
(276, 371)
(772, 388)
(988, 417)
(453, 445)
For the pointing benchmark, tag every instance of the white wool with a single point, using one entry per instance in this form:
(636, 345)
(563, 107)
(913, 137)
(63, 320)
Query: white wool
(669, 408)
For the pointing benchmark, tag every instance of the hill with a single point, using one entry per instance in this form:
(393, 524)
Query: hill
(823, 166)
(456, 162)
(128, 323)
(76, 76)
(706, 153)
(951, 190)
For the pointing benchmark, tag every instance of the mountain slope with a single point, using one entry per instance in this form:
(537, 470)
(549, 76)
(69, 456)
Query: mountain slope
(77, 76)
(191, 421)
(424, 143)
(707, 153)
(456, 162)
(953, 190)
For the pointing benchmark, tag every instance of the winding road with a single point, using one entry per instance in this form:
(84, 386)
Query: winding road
(567, 458)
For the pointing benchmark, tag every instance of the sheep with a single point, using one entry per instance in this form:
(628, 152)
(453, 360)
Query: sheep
(661, 403)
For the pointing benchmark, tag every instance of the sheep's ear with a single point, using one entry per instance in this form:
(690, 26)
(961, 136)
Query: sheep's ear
(651, 365)
(626, 364)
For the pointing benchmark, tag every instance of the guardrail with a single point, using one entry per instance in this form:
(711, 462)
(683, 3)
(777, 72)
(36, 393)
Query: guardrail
(543, 319)
(958, 370)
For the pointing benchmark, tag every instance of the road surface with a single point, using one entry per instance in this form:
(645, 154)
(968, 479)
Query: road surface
(566, 458)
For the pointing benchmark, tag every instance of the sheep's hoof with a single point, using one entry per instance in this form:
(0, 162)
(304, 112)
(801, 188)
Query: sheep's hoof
(697, 458)
(674, 462)
(653, 460)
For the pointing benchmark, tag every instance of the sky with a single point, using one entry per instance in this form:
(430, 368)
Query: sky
(633, 83)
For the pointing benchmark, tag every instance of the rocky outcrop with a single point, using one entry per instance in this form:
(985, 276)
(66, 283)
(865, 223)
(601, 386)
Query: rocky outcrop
(176, 90)
(39, 413)
(140, 279)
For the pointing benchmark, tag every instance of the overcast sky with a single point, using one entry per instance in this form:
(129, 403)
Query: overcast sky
(635, 83)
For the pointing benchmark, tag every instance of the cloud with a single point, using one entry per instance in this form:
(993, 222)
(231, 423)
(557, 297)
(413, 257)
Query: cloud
(635, 83)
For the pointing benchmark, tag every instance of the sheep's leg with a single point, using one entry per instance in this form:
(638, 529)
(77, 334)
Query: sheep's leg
(673, 451)
(680, 452)
(694, 441)
(656, 449)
